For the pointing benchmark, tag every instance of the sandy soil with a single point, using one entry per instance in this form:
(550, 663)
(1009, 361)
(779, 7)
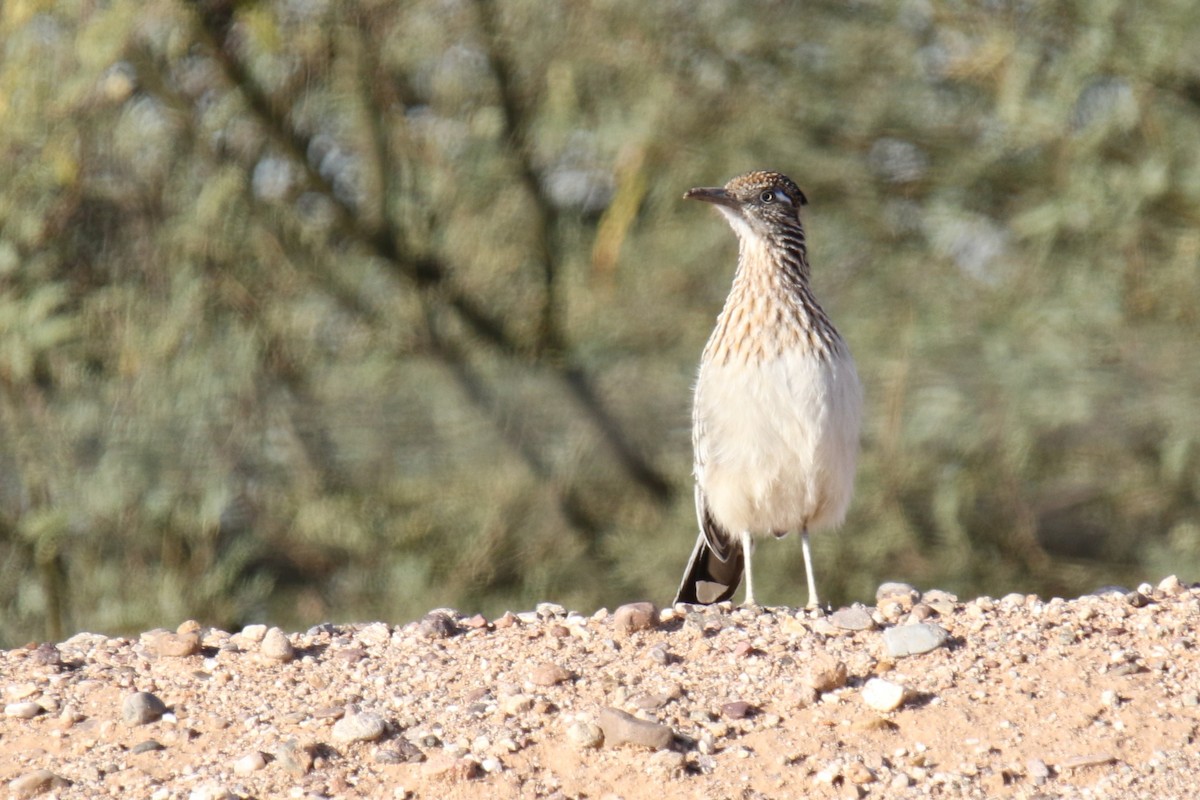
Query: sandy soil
(1022, 697)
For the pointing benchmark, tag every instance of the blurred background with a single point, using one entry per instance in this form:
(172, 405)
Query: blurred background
(344, 311)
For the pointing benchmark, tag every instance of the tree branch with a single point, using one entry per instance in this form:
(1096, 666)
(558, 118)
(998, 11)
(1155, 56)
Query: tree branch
(429, 274)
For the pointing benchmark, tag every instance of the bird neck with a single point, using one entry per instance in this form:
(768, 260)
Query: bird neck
(779, 258)
(771, 288)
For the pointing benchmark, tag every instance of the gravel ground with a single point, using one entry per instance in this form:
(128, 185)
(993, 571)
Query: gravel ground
(918, 696)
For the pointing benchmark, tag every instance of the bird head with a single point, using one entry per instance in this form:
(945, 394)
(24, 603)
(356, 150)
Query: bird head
(756, 203)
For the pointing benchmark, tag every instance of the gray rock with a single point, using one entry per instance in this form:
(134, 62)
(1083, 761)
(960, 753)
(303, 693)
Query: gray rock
(295, 758)
(438, 625)
(910, 640)
(34, 783)
(621, 728)
(1137, 599)
(140, 708)
(277, 646)
(362, 727)
(404, 752)
(854, 618)
(148, 746)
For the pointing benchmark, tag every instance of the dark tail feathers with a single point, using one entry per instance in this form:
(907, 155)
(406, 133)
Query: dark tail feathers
(707, 578)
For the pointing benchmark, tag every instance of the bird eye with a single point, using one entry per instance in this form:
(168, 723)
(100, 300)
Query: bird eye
(767, 196)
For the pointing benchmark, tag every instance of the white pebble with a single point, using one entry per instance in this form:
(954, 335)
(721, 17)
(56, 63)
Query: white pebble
(883, 695)
(254, 633)
(364, 727)
(24, 710)
(249, 763)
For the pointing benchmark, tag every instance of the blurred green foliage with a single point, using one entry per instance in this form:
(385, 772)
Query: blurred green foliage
(317, 310)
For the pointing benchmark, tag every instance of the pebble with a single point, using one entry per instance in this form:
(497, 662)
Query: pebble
(854, 618)
(1137, 599)
(738, 709)
(883, 695)
(276, 646)
(653, 701)
(1170, 585)
(825, 627)
(378, 633)
(585, 734)
(550, 610)
(634, 617)
(141, 708)
(858, 773)
(295, 758)
(362, 727)
(944, 603)
(254, 633)
(22, 690)
(404, 752)
(514, 704)
(249, 763)
(36, 782)
(46, 655)
(450, 768)
(437, 625)
(909, 640)
(147, 746)
(621, 728)
(1037, 771)
(24, 710)
(175, 645)
(211, 791)
(896, 592)
(548, 675)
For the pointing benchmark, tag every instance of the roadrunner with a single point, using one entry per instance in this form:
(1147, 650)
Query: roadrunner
(777, 407)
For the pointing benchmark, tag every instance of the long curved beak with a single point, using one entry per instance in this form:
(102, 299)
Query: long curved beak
(715, 195)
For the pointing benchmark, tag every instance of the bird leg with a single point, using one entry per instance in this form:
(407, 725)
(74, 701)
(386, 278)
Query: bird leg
(813, 602)
(747, 550)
